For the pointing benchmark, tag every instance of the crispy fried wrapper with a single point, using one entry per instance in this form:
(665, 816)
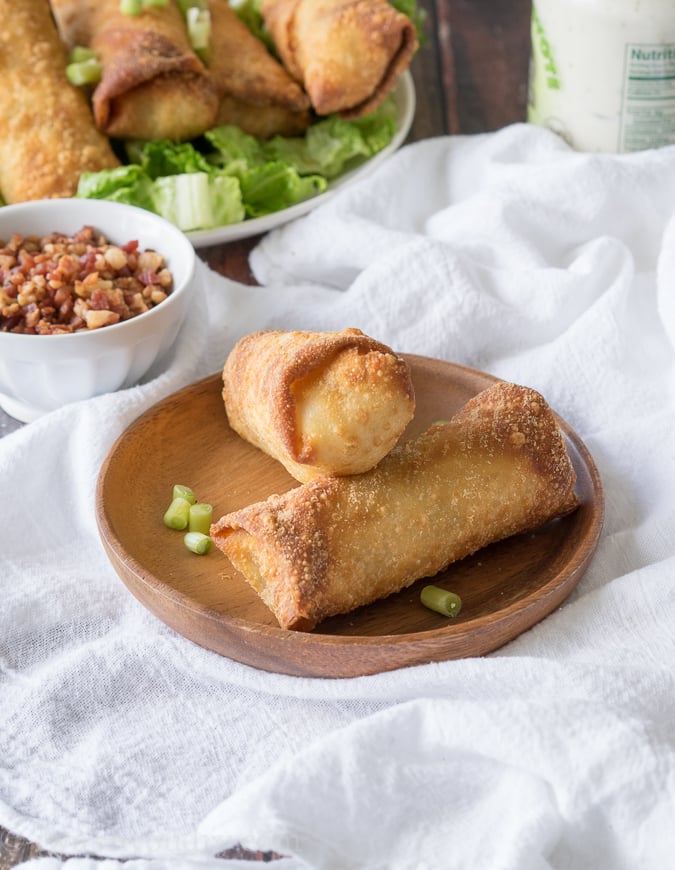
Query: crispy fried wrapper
(256, 92)
(48, 132)
(497, 468)
(347, 54)
(318, 402)
(262, 121)
(153, 86)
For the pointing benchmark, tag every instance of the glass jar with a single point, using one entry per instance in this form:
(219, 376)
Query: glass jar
(602, 72)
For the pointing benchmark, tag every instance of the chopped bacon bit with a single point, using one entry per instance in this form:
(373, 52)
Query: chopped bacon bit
(58, 284)
(147, 277)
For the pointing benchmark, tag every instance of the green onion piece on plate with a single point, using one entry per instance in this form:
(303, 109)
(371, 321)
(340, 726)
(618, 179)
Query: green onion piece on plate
(181, 491)
(198, 543)
(177, 515)
(200, 518)
(440, 600)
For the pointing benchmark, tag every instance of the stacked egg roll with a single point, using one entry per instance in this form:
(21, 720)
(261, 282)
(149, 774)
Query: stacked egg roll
(347, 54)
(153, 86)
(497, 468)
(48, 132)
(318, 402)
(255, 91)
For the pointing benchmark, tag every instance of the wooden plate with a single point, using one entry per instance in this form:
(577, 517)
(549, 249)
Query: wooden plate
(505, 588)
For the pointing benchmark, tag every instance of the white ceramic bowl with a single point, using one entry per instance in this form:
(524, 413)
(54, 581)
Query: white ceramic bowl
(39, 373)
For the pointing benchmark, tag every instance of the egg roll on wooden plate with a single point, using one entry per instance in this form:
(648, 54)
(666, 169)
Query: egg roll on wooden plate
(153, 86)
(319, 402)
(497, 468)
(347, 54)
(48, 132)
(255, 91)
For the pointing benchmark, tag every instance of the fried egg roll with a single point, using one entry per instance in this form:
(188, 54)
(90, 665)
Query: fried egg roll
(153, 86)
(262, 121)
(256, 93)
(48, 133)
(347, 54)
(497, 468)
(318, 402)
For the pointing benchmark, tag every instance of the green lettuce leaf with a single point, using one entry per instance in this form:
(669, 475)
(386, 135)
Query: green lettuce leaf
(198, 200)
(129, 184)
(275, 186)
(230, 144)
(169, 158)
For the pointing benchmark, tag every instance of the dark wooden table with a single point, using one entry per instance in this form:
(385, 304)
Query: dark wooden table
(470, 77)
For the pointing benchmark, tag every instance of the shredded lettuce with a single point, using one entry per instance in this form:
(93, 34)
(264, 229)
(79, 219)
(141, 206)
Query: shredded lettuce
(228, 175)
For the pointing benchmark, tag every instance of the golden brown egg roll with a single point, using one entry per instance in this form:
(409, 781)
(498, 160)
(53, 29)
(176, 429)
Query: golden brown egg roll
(262, 121)
(48, 133)
(255, 91)
(347, 54)
(153, 86)
(318, 402)
(497, 468)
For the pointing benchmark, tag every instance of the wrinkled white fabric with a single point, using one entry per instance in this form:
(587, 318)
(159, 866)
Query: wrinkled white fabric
(507, 252)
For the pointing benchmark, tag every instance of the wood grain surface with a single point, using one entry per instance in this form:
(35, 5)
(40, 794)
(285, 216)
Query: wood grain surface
(470, 77)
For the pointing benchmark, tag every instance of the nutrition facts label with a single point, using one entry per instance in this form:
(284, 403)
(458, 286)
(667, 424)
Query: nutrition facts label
(648, 105)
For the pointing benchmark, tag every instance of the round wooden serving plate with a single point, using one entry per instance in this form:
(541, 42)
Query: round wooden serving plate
(505, 588)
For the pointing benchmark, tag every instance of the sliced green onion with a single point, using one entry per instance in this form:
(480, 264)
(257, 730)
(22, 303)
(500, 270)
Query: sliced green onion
(199, 30)
(440, 600)
(80, 53)
(440, 422)
(184, 5)
(131, 7)
(159, 4)
(181, 491)
(197, 543)
(177, 515)
(200, 518)
(84, 72)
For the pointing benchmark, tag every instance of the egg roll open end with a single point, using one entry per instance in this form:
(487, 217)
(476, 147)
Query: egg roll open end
(152, 88)
(318, 402)
(349, 413)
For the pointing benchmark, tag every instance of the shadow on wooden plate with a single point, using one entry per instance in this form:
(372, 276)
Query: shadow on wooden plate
(505, 588)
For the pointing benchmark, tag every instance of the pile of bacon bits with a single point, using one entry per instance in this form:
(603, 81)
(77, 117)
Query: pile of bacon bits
(60, 284)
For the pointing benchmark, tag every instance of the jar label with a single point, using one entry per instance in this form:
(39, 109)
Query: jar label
(648, 103)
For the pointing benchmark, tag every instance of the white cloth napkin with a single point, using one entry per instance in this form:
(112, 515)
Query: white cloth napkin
(118, 738)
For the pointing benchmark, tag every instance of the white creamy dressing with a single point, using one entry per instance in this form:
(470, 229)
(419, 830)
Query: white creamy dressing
(603, 72)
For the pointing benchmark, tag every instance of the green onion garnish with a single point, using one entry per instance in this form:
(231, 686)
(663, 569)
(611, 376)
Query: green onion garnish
(440, 600)
(200, 518)
(84, 72)
(177, 515)
(181, 491)
(131, 7)
(199, 30)
(184, 5)
(79, 53)
(197, 543)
